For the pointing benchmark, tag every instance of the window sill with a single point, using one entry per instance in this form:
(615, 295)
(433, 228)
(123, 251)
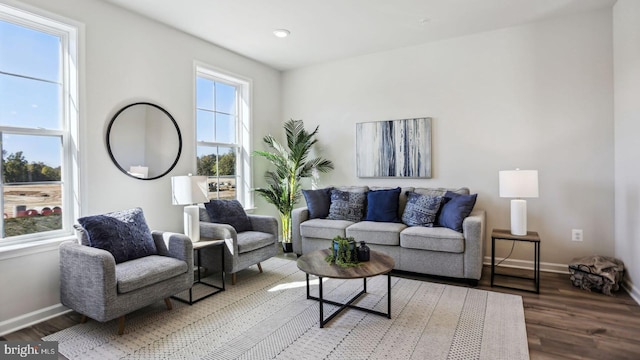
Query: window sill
(34, 247)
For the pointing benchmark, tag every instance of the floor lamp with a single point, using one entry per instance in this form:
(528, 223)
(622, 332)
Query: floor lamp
(190, 191)
(518, 184)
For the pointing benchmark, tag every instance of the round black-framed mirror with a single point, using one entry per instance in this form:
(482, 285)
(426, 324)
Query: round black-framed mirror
(144, 141)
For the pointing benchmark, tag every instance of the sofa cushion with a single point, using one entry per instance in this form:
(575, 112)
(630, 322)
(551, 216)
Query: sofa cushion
(421, 210)
(124, 234)
(135, 274)
(381, 233)
(434, 239)
(324, 228)
(347, 205)
(253, 240)
(318, 202)
(455, 210)
(382, 205)
(228, 212)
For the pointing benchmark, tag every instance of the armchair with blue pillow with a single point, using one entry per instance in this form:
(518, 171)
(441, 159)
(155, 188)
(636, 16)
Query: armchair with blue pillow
(250, 239)
(118, 265)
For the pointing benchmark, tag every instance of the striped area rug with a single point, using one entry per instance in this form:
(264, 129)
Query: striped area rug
(267, 316)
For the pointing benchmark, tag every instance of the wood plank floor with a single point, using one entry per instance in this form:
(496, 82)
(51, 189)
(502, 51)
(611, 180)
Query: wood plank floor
(563, 322)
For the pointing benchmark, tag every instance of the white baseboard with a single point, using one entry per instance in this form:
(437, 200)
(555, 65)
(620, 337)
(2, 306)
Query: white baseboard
(32, 318)
(633, 291)
(528, 265)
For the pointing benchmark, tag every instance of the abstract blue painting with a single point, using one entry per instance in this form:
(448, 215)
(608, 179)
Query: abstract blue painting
(394, 148)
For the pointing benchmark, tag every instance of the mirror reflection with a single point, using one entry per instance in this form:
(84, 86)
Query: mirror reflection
(144, 141)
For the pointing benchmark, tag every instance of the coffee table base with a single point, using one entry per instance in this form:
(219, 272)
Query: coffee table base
(348, 304)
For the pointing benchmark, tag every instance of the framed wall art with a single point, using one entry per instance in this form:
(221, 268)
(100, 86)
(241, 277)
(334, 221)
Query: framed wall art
(394, 148)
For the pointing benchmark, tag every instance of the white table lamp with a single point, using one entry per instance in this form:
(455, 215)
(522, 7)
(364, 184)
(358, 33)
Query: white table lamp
(518, 184)
(191, 191)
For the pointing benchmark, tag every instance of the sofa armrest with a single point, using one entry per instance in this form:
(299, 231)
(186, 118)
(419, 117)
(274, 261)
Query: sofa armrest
(473, 229)
(220, 231)
(87, 279)
(264, 223)
(298, 216)
(178, 246)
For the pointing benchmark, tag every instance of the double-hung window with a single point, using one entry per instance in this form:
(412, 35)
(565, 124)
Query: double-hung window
(38, 109)
(222, 134)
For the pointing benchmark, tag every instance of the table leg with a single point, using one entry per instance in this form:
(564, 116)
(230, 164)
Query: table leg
(493, 258)
(320, 300)
(308, 295)
(364, 281)
(222, 248)
(389, 295)
(537, 267)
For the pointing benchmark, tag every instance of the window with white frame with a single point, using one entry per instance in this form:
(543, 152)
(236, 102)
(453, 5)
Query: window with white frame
(38, 102)
(222, 134)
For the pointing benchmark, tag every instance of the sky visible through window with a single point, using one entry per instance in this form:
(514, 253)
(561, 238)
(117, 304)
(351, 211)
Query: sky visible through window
(216, 114)
(27, 102)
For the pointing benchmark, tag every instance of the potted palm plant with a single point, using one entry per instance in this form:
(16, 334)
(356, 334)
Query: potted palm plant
(291, 164)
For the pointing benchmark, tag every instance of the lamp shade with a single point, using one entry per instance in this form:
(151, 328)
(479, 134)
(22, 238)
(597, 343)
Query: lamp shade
(518, 183)
(188, 190)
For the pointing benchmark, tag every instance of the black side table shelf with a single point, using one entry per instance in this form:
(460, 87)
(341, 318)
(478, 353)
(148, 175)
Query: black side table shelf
(197, 246)
(532, 237)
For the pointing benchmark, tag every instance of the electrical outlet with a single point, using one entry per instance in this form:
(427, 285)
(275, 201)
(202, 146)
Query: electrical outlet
(576, 235)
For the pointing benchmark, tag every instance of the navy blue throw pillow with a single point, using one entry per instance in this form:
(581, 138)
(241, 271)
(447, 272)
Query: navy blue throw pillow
(455, 210)
(228, 212)
(347, 205)
(124, 234)
(382, 205)
(318, 202)
(421, 209)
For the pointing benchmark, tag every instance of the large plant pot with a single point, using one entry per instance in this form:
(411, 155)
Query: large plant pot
(287, 247)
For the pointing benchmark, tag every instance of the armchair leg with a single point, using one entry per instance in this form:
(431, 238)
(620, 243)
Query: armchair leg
(83, 319)
(167, 301)
(121, 325)
(233, 279)
(260, 267)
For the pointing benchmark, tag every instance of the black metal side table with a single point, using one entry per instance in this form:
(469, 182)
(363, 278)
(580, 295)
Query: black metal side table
(532, 237)
(197, 246)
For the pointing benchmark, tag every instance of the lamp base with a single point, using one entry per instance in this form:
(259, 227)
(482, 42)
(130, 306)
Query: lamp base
(192, 222)
(518, 217)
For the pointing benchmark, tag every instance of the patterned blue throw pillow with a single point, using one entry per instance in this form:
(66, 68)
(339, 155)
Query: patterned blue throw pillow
(124, 234)
(421, 210)
(347, 205)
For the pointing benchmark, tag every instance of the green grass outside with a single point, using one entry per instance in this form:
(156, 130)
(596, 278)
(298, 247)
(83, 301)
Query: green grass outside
(31, 224)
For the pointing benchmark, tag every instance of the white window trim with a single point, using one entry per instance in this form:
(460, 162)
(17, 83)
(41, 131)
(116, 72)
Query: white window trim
(70, 33)
(243, 128)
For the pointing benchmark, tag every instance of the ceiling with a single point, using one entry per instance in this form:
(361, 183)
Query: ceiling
(325, 30)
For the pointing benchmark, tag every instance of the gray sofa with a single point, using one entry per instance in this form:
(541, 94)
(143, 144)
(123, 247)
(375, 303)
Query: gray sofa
(428, 250)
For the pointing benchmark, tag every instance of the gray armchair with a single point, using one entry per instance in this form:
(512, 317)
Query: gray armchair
(243, 249)
(92, 284)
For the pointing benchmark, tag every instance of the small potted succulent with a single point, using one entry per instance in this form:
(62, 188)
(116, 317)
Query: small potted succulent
(344, 252)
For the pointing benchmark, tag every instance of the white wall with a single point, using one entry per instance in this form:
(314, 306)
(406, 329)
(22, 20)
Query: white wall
(626, 46)
(128, 58)
(537, 96)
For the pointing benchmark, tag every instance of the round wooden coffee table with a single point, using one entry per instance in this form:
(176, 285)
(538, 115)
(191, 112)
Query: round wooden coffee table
(314, 263)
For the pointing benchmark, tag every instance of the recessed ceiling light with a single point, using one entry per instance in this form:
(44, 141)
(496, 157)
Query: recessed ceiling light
(281, 33)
